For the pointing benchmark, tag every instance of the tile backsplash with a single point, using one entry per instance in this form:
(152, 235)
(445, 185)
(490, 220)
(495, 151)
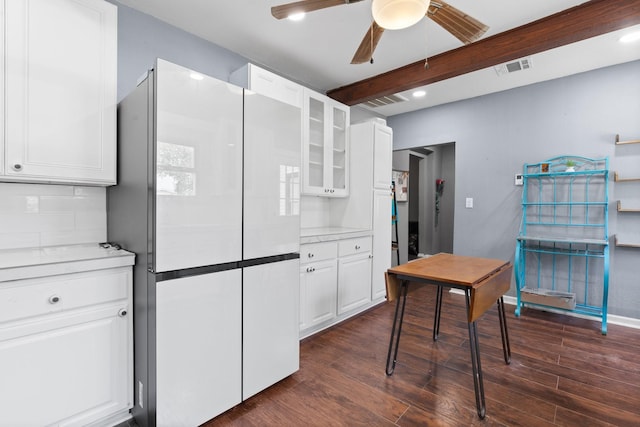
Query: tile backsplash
(36, 215)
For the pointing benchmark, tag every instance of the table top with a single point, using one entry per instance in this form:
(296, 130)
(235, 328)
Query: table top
(448, 268)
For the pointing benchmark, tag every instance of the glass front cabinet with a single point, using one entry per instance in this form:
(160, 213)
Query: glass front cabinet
(325, 146)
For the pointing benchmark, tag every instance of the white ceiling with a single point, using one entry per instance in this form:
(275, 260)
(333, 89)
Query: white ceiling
(317, 51)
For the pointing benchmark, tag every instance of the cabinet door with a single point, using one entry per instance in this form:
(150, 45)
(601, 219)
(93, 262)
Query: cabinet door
(198, 347)
(382, 157)
(67, 369)
(60, 83)
(340, 151)
(276, 87)
(318, 292)
(325, 146)
(354, 282)
(381, 261)
(313, 145)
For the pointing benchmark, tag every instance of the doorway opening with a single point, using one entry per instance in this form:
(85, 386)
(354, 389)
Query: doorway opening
(425, 220)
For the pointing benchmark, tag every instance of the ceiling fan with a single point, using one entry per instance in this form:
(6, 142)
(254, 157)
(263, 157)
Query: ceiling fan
(459, 24)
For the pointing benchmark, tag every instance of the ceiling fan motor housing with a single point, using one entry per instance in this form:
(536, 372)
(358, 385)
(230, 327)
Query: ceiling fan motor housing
(398, 14)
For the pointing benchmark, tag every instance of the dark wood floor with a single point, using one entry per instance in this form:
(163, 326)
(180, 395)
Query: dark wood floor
(563, 373)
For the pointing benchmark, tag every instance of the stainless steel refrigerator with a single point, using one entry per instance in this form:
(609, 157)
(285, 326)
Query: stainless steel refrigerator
(208, 197)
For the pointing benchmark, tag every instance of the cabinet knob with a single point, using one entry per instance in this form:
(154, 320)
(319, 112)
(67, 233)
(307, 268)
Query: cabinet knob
(17, 167)
(122, 312)
(54, 299)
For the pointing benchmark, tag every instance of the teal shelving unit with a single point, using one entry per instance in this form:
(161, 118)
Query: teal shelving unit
(562, 250)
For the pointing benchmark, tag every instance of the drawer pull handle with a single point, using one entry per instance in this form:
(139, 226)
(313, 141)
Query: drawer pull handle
(357, 247)
(122, 312)
(311, 269)
(54, 299)
(310, 255)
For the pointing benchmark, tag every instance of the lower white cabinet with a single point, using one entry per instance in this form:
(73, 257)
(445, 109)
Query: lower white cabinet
(354, 273)
(318, 283)
(335, 282)
(318, 292)
(381, 242)
(66, 349)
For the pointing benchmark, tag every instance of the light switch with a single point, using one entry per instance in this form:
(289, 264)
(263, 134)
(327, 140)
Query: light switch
(469, 203)
(518, 180)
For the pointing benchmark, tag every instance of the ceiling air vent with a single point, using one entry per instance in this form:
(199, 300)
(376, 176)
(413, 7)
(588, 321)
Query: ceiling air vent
(384, 100)
(512, 67)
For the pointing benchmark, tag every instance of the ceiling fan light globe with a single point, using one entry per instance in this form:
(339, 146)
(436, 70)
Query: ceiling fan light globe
(398, 14)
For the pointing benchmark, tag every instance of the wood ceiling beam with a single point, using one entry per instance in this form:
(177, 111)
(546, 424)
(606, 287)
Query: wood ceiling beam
(590, 19)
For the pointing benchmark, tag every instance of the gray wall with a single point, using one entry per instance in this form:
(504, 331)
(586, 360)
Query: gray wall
(143, 38)
(495, 134)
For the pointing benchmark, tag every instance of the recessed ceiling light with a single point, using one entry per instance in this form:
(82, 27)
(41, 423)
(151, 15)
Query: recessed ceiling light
(419, 93)
(631, 37)
(196, 76)
(296, 17)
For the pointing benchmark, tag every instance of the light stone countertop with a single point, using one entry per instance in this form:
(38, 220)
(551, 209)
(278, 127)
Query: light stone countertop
(27, 263)
(327, 234)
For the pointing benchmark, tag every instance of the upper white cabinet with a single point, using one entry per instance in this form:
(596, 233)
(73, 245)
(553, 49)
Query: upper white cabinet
(325, 146)
(267, 83)
(60, 84)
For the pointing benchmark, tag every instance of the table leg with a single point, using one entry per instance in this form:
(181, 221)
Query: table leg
(475, 361)
(436, 319)
(397, 321)
(506, 348)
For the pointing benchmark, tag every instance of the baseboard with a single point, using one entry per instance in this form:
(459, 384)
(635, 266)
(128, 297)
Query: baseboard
(613, 319)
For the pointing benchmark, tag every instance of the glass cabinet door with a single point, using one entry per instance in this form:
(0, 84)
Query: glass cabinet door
(339, 165)
(316, 143)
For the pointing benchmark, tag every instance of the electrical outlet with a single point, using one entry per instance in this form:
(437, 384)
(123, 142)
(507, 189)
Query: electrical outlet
(469, 203)
(518, 179)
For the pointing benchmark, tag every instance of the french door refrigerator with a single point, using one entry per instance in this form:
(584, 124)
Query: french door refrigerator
(208, 198)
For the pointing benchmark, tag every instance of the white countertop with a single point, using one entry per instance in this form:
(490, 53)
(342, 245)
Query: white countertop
(327, 234)
(47, 261)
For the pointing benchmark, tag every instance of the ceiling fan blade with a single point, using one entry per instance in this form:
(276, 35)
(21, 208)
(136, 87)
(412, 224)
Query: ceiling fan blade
(285, 10)
(459, 24)
(368, 44)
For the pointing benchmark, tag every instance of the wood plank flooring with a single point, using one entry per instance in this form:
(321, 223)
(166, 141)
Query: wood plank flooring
(563, 373)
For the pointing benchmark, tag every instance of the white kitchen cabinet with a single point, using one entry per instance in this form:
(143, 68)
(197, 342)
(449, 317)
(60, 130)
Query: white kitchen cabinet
(325, 146)
(59, 76)
(354, 273)
(267, 83)
(318, 283)
(369, 204)
(381, 247)
(66, 349)
(382, 155)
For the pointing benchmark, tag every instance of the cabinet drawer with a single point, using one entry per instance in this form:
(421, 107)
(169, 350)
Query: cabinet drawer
(32, 297)
(354, 246)
(318, 252)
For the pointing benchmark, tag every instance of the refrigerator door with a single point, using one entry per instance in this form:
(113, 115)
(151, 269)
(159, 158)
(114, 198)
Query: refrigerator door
(198, 181)
(198, 330)
(270, 345)
(271, 177)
